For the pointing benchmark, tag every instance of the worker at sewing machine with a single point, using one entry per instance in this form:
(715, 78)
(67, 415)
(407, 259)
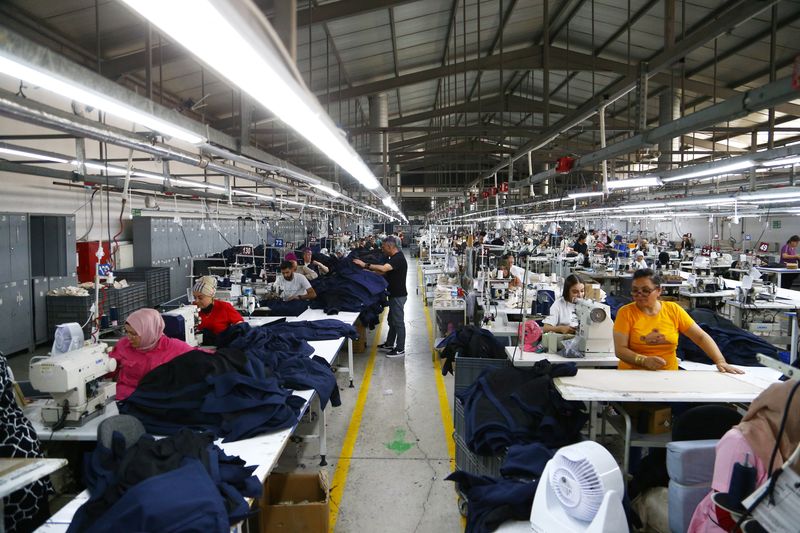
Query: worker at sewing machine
(215, 315)
(646, 330)
(563, 317)
(292, 285)
(311, 266)
(144, 348)
(518, 273)
(790, 258)
(639, 263)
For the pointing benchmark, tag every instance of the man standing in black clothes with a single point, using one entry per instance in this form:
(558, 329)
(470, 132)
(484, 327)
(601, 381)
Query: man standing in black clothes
(395, 272)
(581, 247)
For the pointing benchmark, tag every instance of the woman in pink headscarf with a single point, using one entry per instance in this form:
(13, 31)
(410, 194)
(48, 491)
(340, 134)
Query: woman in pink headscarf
(144, 348)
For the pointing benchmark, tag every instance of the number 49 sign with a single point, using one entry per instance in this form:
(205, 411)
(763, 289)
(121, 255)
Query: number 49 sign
(763, 247)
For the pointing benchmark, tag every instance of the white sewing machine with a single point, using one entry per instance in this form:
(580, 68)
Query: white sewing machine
(189, 314)
(74, 380)
(595, 327)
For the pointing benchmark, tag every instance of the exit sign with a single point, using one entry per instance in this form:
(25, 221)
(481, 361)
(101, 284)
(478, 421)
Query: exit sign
(776, 224)
(136, 212)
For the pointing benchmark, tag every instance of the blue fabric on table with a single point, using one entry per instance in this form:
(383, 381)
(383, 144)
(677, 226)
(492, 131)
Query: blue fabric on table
(352, 289)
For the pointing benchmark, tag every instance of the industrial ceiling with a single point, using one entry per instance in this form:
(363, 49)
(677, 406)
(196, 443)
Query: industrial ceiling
(461, 88)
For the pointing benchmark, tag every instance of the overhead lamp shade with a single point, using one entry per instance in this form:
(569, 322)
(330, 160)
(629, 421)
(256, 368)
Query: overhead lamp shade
(647, 181)
(584, 194)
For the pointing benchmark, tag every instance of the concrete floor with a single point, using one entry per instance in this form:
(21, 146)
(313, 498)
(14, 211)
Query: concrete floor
(394, 478)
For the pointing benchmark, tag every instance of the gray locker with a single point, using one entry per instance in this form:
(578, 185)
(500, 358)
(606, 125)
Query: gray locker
(5, 262)
(70, 236)
(39, 288)
(142, 242)
(18, 247)
(15, 315)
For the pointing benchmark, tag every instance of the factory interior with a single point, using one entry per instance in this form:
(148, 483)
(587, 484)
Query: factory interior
(413, 266)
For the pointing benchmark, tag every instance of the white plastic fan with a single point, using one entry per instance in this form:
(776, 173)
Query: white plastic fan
(68, 337)
(580, 490)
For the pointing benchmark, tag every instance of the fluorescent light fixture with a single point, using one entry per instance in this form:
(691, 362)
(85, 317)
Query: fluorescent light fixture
(781, 162)
(327, 190)
(585, 194)
(713, 171)
(255, 67)
(85, 95)
(778, 194)
(644, 205)
(33, 155)
(111, 169)
(195, 184)
(647, 181)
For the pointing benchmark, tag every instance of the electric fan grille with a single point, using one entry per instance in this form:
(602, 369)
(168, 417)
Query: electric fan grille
(578, 487)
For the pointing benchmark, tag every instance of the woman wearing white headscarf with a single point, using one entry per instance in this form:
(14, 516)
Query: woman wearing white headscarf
(215, 315)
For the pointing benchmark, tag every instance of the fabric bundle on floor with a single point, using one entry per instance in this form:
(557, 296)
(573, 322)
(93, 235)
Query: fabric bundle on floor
(469, 341)
(228, 393)
(352, 289)
(179, 483)
(520, 406)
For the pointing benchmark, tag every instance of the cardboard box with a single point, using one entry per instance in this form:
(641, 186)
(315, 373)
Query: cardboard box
(295, 502)
(650, 418)
(360, 344)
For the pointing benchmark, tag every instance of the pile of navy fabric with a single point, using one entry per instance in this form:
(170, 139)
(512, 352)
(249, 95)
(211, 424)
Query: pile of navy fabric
(520, 406)
(493, 501)
(739, 346)
(352, 289)
(205, 489)
(277, 307)
(272, 256)
(469, 341)
(229, 393)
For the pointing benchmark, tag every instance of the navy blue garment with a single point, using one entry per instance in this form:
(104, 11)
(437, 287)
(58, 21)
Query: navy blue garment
(206, 487)
(281, 308)
(284, 353)
(228, 393)
(520, 406)
(352, 289)
(526, 460)
(470, 341)
(492, 501)
(315, 330)
(739, 346)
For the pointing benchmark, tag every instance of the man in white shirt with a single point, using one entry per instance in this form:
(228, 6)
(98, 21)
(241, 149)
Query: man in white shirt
(590, 239)
(517, 272)
(293, 286)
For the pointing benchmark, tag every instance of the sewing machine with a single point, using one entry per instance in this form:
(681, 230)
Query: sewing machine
(595, 327)
(706, 284)
(184, 319)
(73, 379)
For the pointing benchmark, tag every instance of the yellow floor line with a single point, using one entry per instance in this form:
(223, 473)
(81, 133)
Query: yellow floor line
(444, 405)
(349, 444)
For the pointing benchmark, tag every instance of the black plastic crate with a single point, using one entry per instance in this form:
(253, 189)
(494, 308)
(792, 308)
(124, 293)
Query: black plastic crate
(458, 418)
(468, 369)
(156, 278)
(125, 300)
(62, 309)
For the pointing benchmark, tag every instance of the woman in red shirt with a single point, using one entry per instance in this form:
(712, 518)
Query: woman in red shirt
(215, 315)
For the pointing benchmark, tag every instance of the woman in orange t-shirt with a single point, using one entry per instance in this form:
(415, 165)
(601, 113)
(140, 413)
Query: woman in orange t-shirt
(646, 331)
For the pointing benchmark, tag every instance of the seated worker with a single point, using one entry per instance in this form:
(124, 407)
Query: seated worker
(620, 248)
(293, 286)
(563, 317)
(144, 348)
(646, 330)
(296, 267)
(581, 247)
(311, 269)
(517, 272)
(751, 441)
(215, 315)
(504, 268)
(639, 263)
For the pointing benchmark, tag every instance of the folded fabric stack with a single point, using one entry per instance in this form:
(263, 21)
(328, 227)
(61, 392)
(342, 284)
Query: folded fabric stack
(228, 393)
(206, 488)
(520, 406)
(351, 289)
(281, 308)
(739, 346)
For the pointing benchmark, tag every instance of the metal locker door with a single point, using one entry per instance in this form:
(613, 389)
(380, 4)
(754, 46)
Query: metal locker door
(69, 238)
(18, 302)
(18, 247)
(39, 289)
(5, 261)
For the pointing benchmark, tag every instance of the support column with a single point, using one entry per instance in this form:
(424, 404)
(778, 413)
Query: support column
(286, 24)
(667, 102)
(379, 119)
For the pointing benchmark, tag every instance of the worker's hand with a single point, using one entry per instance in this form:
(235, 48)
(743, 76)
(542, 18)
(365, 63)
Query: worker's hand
(654, 363)
(567, 330)
(725, 368)
(293, 298)
(359, 262)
